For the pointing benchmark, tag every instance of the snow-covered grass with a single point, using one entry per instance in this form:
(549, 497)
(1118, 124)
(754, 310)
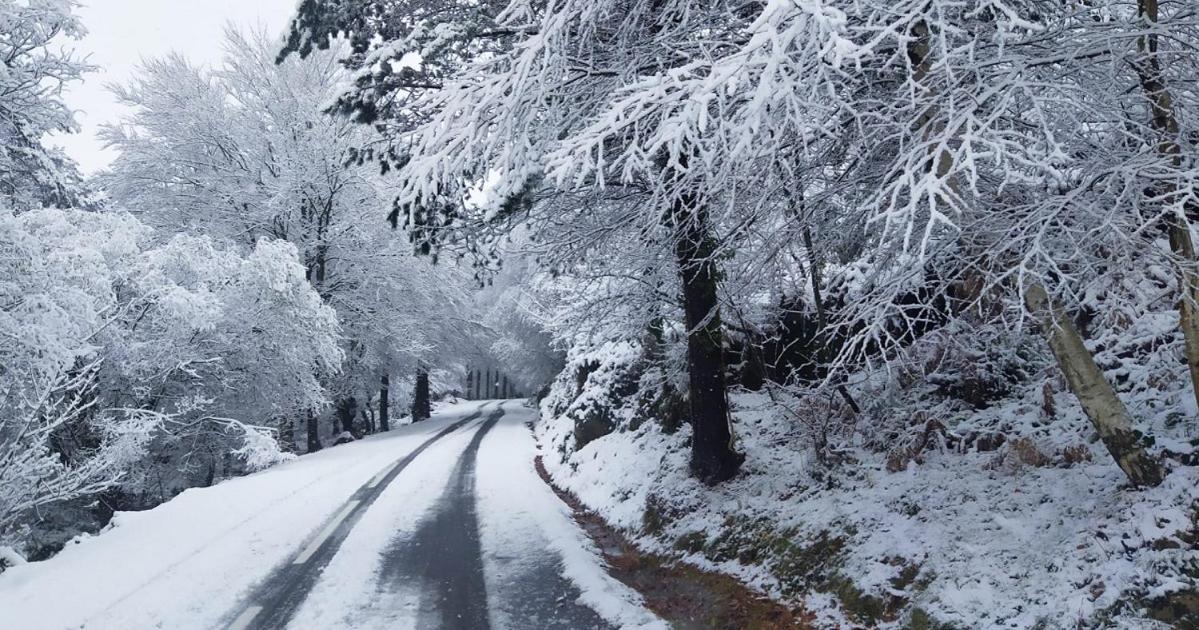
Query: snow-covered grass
(970, 539)
(186, 563)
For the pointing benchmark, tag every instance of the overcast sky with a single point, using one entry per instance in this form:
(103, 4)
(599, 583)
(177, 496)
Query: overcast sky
(123, 32)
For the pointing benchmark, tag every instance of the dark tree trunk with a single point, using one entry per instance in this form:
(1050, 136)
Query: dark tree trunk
(826, 344)
(384, 401)
(420, 397)
(1164, 120)
(314, 433)
(713, 459)
(210, 476)
(347, 408)
(470, 383)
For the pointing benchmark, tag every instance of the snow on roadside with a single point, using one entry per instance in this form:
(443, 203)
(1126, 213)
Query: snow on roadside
(520, 515)
(988, 545)
(186, 563)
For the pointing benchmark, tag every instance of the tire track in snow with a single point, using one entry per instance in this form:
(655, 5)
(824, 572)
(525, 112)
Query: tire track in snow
(444, 554)
(199, 549)
(277, 599)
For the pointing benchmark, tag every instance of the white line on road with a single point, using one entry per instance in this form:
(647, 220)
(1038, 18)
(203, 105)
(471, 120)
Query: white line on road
(382, 473)
(243, 620)
(325, 533)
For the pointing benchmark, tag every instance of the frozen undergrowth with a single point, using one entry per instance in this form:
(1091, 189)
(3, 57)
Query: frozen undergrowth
(1022, 536)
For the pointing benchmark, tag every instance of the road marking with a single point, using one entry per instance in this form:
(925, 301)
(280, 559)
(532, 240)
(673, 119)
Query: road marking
(243, 620)
(382, 473)
(327, 532)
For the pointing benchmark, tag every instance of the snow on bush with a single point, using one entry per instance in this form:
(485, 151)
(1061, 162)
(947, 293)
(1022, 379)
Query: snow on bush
(261, 448)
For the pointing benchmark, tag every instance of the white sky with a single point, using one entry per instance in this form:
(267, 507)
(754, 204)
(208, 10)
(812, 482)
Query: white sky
(123, 32)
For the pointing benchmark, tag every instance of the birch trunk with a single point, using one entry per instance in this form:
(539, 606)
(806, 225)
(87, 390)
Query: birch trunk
(1094, 393)
(1164, 120)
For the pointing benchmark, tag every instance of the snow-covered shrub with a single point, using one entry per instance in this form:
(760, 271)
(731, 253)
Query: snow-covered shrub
(260, 447)
(121, 360)
(595, 392)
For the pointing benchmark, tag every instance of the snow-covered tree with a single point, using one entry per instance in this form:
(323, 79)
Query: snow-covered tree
(497, 126)
(36, 67)
(893, 166)
(247, 151)
(123, 357)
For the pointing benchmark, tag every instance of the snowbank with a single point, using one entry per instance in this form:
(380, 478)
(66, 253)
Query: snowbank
(967, 539)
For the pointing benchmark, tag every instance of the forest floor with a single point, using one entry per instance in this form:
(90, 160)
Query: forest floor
(443, 523)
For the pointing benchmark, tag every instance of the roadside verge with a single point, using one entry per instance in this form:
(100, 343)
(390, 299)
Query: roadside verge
(684, 595)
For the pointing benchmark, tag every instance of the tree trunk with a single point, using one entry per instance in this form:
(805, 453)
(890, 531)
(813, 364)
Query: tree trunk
(314, 433)
(1184, 248)
(1164, 120)
(384, 402)
(825, 342)
(713, 458)
(287, 435)
(210, 475)
(1096, 395)
(420, 397)
(347, 408)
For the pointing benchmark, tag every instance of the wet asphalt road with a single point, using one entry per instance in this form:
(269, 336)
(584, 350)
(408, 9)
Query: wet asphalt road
(442, 559)
(277, 599)
(444, 555)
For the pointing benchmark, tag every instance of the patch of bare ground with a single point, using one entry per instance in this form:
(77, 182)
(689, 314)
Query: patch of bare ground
(683, 595)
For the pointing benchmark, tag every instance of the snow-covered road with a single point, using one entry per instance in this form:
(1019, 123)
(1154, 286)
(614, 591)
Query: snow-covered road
(441, 524)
